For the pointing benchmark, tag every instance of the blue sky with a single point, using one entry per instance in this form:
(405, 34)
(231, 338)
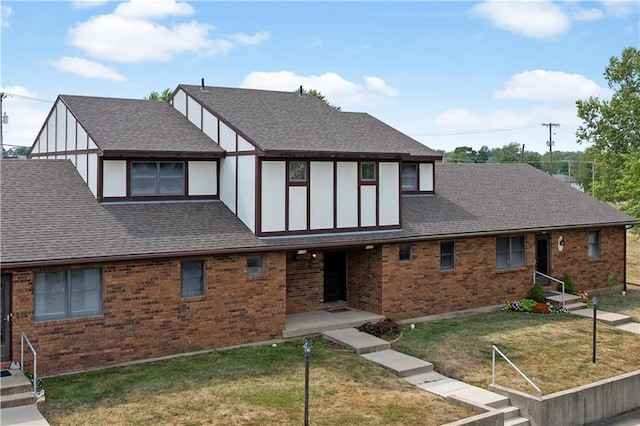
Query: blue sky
(447, 73)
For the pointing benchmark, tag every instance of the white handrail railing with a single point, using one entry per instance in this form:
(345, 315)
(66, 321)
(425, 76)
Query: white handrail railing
(551, 278)
(493, 369)
(23, 338)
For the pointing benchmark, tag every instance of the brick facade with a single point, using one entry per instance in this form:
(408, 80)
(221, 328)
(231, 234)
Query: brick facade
(145, 317)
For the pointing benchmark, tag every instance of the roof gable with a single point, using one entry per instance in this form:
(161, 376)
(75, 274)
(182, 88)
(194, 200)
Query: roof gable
(293, 123)
(132, 125)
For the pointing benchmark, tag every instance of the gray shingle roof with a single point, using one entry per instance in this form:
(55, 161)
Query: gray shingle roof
(289, 122)
(138, 125)
(49, 214)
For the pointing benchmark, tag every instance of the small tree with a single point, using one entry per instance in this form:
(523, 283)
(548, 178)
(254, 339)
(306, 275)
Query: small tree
(537, 293)
(568, 284)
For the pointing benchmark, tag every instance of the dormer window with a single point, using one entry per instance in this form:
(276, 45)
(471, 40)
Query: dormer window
(153, 178)
(410, 177)
(368, 172)
(297, 171)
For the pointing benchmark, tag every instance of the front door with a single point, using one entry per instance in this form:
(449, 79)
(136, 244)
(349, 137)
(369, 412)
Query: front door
(5, 305)
(335, 276)
(542, 258)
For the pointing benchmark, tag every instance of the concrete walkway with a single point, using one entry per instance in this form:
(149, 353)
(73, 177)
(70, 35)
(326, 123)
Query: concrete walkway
(623, 322)
(420, 373)
(23, 416)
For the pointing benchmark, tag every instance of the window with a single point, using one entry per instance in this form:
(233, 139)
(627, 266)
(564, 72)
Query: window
(157, 178)
(447, 256)
(510, 252)
(68, 294)
(192, 278)
(404, 252)
(255, 265)
(593, 240)
(409, 177)
(297, 171)
(368, 171)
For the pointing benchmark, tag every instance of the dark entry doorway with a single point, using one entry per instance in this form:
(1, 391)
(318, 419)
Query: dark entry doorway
(542, 258)
(5, 305)
(335, 276)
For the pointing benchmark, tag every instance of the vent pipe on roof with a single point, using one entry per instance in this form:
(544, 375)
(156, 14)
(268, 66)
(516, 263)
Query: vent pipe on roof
(202, 83)
(301, 91)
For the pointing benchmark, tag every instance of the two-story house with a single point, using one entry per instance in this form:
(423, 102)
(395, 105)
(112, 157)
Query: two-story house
(140, 229)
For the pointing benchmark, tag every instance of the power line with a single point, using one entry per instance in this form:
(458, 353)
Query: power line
(471, 132)
(31, 98)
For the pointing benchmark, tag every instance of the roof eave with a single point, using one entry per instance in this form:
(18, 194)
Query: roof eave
(162, 154)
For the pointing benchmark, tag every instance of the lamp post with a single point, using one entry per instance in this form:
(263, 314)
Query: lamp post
(307, 355)
(595, 309)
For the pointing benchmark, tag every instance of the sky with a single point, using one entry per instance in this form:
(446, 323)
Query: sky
(446, 73)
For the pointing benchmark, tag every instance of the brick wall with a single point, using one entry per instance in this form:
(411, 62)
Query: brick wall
(364, 279)
(145, 317)
(305, 282)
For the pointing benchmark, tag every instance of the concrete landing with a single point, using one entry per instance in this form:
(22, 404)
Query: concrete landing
(604, 316)
(23, 416)
(400, 364)
(632, 327)
(357, 341)
(310, 323)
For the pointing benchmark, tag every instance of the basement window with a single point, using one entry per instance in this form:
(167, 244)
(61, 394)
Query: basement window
(67, 294)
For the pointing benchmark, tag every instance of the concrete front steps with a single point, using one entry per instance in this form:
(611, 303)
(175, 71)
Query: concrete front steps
(571, 301)
(420, 373)
(15, 390)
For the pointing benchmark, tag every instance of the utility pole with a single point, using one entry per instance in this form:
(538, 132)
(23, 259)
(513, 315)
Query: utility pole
(2, 121)
(550, 143)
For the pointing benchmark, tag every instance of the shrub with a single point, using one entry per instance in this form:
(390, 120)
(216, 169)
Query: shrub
(540, 308)
(568, 285)
(537, 293)
(527, 304)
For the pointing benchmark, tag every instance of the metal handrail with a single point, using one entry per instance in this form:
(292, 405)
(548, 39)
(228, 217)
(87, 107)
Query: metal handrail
(24, 337)
(493, 369)
(551, 278)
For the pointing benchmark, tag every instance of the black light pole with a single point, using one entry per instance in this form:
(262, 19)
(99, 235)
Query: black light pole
(307, 355)
(595, 309)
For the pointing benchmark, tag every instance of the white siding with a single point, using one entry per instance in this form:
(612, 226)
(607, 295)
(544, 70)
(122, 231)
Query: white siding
(243, 145)
(247, 190)
(81, 165)
(321, 193)
(71, 132)
(61, 121)
(92, 173)
(180, 102)
(36, 146)
(203, 179)
(297, 208)
(368, 205)
(82, 138)
(210, 125)
(228, 182)
(347, 196)
(194, 112)
(51, 133)
(227, 138)
(114, 178)
(426, 177)
(92, 144)
(389, 194)
(273, 195)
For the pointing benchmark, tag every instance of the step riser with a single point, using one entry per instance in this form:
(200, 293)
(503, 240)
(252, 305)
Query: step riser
(17, 400)
(12, 390)
(518, 421)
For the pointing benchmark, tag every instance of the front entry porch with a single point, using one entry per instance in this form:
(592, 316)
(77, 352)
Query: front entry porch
(308, 323)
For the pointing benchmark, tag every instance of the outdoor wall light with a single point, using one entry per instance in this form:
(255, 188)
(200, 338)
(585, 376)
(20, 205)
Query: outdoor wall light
(302, 252)
(369, 247)
(313, 255)
(560, 243)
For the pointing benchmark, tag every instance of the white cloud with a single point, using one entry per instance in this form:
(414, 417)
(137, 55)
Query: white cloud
(250, 39)
(131, 34)
(26, 115)
(379, 85)
(592, 14)
(336, 89)
(620, 8)
(542, 85)
(86, 68)
(152, 9)
(5, 13)
(87, 4)
(535, 19)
